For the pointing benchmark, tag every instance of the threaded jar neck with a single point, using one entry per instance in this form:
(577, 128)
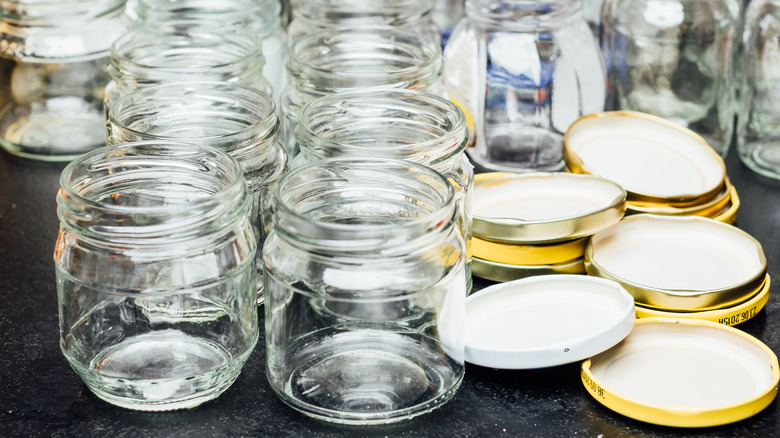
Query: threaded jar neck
(401, 124)
(260, 17)
(524, 15)
(320, 14)
(330, 61)
(367, 207)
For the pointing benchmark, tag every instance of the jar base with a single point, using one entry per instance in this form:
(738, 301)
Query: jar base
(518, 148)
(763, 158)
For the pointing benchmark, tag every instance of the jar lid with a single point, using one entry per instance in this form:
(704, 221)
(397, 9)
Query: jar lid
(543, 254)
(501, 272)
(545, 321)
(709, 208)
(733, 315)
(543, 207)
(653, 159)
(684, 373)
(685, 263)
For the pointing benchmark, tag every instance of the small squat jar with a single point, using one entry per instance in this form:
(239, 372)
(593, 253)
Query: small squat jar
(53, 58)
(365, 291)
(240, 121)
(261, 18)
(155, 273)
(148, 56)
(394, 123)
(331, 61)
(523, 71)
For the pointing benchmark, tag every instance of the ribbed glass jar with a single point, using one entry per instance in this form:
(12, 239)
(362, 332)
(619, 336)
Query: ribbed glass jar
(148, 56)
(155, 273)
(240, 121)
(53, 58)
(314, 15)
(331, 61)
(523, 71)
(259, 17)
(393, 123)
(365, 291)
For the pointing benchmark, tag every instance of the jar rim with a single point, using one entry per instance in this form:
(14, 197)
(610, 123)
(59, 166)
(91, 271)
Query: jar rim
(524, 14)
(260, 15)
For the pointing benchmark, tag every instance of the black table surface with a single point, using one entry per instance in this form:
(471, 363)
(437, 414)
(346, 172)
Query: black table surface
(41, 396)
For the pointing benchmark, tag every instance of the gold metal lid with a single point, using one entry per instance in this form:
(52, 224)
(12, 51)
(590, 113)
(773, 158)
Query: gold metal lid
(710, 208)
(543, 207)
(502, 272)
(542, 254)
(681, 263)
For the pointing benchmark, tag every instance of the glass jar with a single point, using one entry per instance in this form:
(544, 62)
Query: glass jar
(240, 121)
(523, 71)
(758, 129)
(365, 291)
(331, 61)
(398, 123)
(673, 59)
(310, 16)
(259, 17)
(53, 58)
(446, 14)
(155, 273)
(182, 52)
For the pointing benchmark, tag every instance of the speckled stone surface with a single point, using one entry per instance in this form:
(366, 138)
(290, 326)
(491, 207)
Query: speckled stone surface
(41, 396)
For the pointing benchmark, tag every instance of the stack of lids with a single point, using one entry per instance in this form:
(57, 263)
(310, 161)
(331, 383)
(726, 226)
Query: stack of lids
(687, 267)
(538, 223)
(665, 169)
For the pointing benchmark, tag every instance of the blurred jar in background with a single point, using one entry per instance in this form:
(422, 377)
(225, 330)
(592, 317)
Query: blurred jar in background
(523, 71)
(673, 59)
(53, 59)
(758, 131)
(310, 16)
(260, 17)
(591, 11)
(446, 14)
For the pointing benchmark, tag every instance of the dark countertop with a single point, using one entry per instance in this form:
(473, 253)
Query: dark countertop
(42, 396)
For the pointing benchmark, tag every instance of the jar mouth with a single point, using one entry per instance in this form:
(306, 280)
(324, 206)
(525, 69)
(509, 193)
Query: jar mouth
(395, 123)
(226, 116)
(333, 60)
(524, 14)
(260, 15)
(363, 204)
(42, 12)
(149, 190)
(349, 13)
(176, 51)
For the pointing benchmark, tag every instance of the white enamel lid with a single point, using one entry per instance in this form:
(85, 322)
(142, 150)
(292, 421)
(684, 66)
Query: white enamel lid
(545, 321)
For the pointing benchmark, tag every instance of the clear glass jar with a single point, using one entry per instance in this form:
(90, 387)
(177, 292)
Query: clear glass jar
(155, 273)
(53, 58)
(182, 52)
(310, 16)
(240, 121)
(673, 59)
(365, 291)
(758, 129)
(523, 71)
(260, 17)
(331, 61)
(401, 124)
(446, 14)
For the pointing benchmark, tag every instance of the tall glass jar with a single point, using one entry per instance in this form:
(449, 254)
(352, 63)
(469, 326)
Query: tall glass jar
(673, 59)
(313, 15)
(155, 273)
(331, 61)
(53, 58)
(523, 71)
(259, 17)
(182, 52)
(446, 14)
(393, 123)
(240, 121)
(365, 291)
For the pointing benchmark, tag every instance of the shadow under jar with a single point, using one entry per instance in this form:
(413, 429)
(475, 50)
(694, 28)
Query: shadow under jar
(155, 273)
(240, 121)
(523, 71)
(53, 59)
(365, 291)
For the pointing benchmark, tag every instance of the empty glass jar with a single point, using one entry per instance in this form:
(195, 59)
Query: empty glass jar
(331, 61)
(523, 71)
(53, 58)
(239, 120)
(155, 273)
(365, 291)
(673, 59)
